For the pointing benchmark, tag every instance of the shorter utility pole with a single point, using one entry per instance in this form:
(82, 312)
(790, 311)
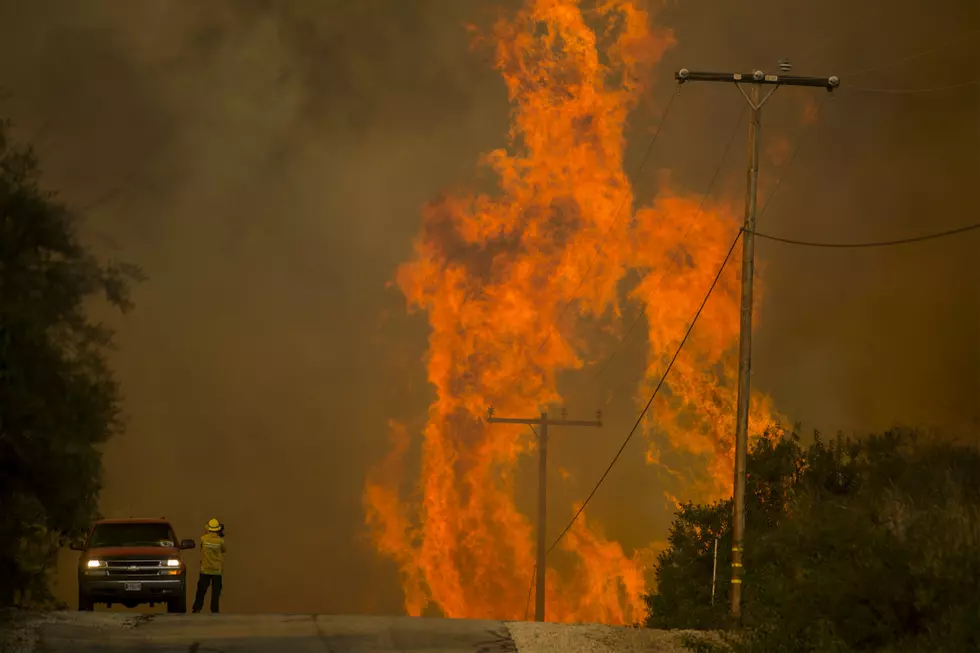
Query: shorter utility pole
(542, 423)
(756, 80)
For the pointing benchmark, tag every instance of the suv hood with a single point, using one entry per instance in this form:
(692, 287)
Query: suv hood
(111, 552)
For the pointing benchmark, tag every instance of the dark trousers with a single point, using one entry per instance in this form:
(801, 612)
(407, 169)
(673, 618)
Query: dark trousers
(206, 580)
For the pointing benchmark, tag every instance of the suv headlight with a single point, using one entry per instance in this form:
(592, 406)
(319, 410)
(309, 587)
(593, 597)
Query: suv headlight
(172, 562)
(95, 564)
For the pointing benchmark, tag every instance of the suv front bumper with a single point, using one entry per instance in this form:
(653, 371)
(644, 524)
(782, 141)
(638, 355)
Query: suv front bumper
(141, 589)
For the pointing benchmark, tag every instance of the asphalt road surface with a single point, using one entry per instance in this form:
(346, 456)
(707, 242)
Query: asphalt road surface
(162, 633)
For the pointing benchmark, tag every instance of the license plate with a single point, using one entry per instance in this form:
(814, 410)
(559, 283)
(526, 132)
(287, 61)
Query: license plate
(133, 587)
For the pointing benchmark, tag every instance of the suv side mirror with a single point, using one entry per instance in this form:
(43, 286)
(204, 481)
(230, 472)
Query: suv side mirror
(186, 544)
(77, 546)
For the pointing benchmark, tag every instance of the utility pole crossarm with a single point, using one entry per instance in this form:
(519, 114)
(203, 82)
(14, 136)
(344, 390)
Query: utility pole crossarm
(534, 421)
(757, 77)
(573, 422)
(515, 420)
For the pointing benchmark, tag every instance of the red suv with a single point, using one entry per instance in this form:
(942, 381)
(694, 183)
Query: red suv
(132, 561)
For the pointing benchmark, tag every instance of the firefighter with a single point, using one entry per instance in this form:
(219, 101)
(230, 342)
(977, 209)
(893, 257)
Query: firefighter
(212, 557)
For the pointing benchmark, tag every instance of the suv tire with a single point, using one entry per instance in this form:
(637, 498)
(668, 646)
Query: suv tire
(85, 604)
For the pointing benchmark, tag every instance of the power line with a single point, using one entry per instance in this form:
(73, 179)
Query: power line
(680, 245)
(877, 243)
(656, 390)
(837, 38)
(956, 41)
(902, 91)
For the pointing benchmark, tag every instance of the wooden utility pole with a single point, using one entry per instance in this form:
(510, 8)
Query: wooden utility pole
(542, 423)
(756, 80)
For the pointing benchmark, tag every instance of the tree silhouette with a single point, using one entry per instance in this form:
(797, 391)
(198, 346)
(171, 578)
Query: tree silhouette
(58, 398)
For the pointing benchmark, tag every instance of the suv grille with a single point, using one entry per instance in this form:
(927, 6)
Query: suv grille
(134, 567)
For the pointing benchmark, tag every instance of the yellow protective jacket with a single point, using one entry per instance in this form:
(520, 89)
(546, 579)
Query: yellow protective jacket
(212, 553)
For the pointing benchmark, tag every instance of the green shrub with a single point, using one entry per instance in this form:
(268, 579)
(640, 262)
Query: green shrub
(855, 545)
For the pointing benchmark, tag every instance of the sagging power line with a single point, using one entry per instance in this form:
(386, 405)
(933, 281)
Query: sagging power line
(903, 91)
(965, 36)
(663, 377)
(873, 243)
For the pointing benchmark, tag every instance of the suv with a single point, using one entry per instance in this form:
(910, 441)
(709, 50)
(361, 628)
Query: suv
(132, 561)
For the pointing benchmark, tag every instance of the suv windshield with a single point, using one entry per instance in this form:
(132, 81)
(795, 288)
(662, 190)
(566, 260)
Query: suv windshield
(131, 534)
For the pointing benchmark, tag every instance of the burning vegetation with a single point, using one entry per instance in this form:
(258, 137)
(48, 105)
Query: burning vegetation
(504, 278)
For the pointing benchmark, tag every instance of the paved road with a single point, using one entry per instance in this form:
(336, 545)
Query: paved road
(162, 633)
(272, 633)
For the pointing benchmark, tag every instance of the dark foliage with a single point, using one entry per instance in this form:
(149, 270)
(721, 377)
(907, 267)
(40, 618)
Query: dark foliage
(58, 399)
(852, 545)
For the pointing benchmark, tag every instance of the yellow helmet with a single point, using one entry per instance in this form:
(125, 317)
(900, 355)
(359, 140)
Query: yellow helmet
(214, 526)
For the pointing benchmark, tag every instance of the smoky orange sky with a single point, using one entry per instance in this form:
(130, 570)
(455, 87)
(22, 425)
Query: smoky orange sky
(269, 165)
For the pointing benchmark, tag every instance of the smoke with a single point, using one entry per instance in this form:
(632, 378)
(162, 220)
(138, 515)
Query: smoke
(266, 163)
(852, 339)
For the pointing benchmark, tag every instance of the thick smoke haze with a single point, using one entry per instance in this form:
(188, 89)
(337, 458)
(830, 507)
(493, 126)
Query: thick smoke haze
(266, 162)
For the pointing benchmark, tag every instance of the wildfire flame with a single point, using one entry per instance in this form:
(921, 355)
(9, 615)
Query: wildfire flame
(494, 274)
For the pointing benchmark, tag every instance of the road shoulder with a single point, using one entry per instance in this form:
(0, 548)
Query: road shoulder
(531, 637)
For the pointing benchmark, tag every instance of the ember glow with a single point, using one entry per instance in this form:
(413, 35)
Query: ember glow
(494, 272)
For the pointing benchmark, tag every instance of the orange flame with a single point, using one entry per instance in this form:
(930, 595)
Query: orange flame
(495, 273)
